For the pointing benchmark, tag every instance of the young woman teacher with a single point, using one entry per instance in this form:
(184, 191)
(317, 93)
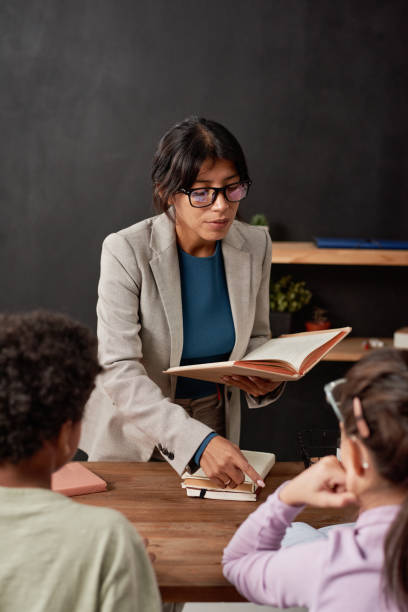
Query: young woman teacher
(190, 285)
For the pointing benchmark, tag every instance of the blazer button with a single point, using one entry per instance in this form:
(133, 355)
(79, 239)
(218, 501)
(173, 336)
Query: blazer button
(165, 452)
(171, 456)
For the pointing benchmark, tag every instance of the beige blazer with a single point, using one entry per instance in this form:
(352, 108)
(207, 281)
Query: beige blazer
(140, 332)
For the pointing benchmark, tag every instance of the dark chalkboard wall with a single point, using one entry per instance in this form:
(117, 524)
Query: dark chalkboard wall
(316, 92)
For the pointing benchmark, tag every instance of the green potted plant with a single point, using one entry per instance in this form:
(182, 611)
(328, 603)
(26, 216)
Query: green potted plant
(287, 296)
(259, 219)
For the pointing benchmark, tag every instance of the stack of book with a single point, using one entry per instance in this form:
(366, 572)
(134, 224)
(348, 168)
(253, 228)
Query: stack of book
(199, 485)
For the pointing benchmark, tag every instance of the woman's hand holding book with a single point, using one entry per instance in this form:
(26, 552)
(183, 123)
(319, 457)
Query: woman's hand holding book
(254, 385)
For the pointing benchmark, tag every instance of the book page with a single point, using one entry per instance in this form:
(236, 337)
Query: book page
(215, 371)
(318, 353)
(293, 349)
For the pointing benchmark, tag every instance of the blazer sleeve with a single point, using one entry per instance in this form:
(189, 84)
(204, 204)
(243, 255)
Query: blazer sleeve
(261, 331)
(139, 399)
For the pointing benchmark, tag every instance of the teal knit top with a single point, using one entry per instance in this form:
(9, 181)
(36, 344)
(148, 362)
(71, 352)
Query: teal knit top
(208, 327)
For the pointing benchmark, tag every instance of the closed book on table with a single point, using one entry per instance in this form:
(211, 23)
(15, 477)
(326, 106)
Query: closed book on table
(287, 357)
(75, 479)
(199, 485)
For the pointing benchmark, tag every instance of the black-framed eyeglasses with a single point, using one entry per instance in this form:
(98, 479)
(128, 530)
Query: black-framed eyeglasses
(206, 196)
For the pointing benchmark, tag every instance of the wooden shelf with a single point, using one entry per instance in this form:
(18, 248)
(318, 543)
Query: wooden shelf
(351, 349)
(308, 253)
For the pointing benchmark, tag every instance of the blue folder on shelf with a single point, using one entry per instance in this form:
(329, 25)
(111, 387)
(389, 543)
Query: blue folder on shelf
(360, 243)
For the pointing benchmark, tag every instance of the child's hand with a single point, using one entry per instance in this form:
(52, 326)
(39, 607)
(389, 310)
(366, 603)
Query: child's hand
(322, 485)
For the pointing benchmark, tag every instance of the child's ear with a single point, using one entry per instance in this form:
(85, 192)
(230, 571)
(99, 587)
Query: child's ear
(358, 456)
(67, 442)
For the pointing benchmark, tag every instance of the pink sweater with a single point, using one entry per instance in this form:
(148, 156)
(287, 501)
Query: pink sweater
(335, 574)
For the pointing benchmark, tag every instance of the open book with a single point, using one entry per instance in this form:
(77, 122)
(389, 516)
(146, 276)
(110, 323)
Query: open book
(199, 485)
(75, 479)
(287, 357)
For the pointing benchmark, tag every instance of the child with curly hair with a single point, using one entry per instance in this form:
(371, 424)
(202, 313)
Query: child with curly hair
(57, 555)
(362, 567)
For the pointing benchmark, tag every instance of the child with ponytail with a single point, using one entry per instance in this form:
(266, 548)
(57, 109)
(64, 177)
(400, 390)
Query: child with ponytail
(363, 567)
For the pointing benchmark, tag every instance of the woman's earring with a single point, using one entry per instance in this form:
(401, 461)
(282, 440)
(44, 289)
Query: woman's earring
(365, 465)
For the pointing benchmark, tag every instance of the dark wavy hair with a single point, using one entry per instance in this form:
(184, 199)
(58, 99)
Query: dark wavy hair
(48, 365)
(182, 151)
(380, 381)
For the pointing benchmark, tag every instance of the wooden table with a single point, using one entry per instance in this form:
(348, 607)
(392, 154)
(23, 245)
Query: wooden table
(187, 535)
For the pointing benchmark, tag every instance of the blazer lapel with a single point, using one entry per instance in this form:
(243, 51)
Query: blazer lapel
(166, 271)
(237, 263)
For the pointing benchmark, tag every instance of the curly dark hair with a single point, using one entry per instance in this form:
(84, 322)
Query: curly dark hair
(48, 365)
